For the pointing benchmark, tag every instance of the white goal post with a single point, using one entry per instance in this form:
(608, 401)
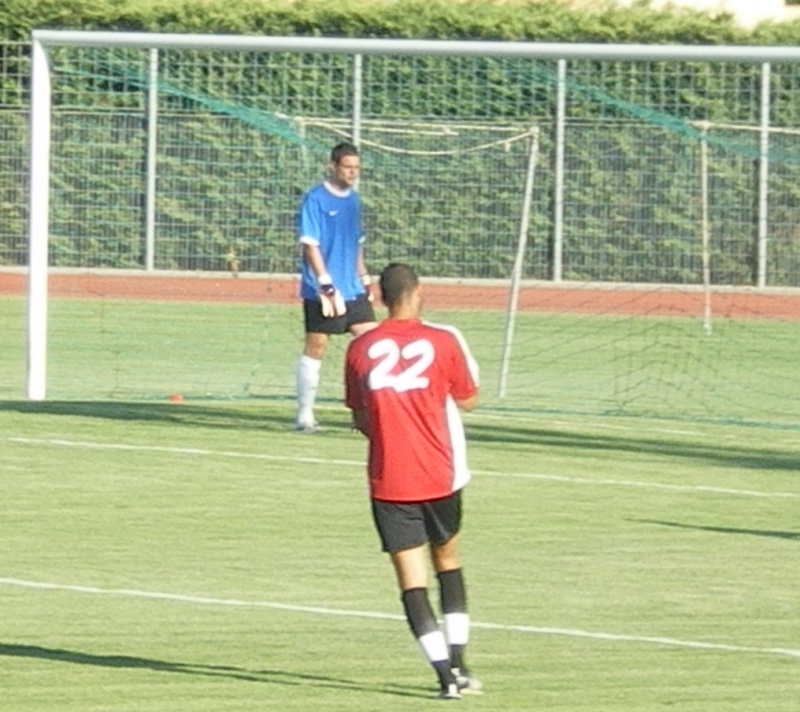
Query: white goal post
(43, 41)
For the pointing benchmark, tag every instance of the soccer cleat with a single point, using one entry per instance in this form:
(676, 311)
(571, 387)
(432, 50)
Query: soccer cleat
(449, 692)
(307, 426)
(467, 685)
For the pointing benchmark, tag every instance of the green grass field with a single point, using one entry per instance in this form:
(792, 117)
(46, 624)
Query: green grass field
(743, 372)
(203, 557)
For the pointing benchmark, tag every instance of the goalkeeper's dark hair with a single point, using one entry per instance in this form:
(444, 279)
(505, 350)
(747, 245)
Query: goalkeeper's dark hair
(340, 150)
(397, 282)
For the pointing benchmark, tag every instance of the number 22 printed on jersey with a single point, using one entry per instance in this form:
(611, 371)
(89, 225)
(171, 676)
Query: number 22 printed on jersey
(387, 354)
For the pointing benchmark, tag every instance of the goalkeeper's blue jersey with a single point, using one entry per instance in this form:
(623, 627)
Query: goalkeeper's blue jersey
(332, 222)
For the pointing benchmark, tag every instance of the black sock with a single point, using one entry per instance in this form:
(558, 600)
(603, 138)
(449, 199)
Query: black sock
(419, 613)
(453, 598)
(422, 621)
(452, 591)
(444, 672)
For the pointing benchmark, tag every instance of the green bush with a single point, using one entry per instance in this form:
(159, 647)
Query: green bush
(418, 19)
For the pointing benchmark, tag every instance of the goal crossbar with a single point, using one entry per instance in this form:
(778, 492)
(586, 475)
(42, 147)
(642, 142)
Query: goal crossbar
(464, 48)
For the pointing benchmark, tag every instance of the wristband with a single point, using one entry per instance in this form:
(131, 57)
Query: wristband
(366, 280)
(325, 280)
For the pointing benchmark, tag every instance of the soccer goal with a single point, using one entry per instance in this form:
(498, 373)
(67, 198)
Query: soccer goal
(176, 161)
(579, 223)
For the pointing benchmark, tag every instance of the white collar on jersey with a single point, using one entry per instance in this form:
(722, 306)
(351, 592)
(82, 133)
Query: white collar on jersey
(331, 188)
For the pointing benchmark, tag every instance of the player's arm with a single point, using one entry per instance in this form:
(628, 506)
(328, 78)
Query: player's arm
(332, 301)
(361, 263)
(313, 256)
(466, 375)
(361, 421)
(468, 404)
(363, 272)
(353, 391)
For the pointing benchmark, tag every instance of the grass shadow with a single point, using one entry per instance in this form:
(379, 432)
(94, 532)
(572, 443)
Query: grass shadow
(276, 415)
(272, 415)
(268, 676)
(773, 534)
(683, 447)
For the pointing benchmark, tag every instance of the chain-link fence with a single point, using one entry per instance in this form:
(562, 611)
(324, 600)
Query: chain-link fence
(232, 138)
(479, 164)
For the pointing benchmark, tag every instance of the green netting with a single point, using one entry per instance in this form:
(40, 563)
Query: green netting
(446, 144)
(743, 372)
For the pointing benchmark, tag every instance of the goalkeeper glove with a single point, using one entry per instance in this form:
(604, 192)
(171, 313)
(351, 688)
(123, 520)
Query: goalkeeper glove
(331, 298)
(366, 280)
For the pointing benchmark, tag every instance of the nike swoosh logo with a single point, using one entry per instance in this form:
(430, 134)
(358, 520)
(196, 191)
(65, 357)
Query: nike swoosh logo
(333, 213)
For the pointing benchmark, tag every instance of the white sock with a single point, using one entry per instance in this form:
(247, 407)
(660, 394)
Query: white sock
(456, 626)
(434, 646)
(307, 383)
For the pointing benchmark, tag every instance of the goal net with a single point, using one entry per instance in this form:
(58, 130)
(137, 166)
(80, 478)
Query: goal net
(595, 260)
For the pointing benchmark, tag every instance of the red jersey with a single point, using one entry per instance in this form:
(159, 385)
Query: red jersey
(407, 375)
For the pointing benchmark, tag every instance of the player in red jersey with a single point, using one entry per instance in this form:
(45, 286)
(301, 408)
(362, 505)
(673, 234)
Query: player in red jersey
(406, 381)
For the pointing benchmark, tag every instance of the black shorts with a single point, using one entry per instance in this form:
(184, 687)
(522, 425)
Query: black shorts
(406, 525)
(359, 311)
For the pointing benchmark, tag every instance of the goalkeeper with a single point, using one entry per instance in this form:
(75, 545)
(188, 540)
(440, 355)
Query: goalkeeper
(334, 281)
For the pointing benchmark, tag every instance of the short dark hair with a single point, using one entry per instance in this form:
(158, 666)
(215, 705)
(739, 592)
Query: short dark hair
(398, 280)
(340, 150)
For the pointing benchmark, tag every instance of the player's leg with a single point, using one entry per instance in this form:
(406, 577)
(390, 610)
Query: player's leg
(453, 600)
(412, 576)
(308, 373)
(318, 330)
(444, 523)
(360, 316)
(402, 533)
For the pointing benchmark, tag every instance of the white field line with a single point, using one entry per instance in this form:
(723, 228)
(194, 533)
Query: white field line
(566, 479)
(635, 483)
(319, 610)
